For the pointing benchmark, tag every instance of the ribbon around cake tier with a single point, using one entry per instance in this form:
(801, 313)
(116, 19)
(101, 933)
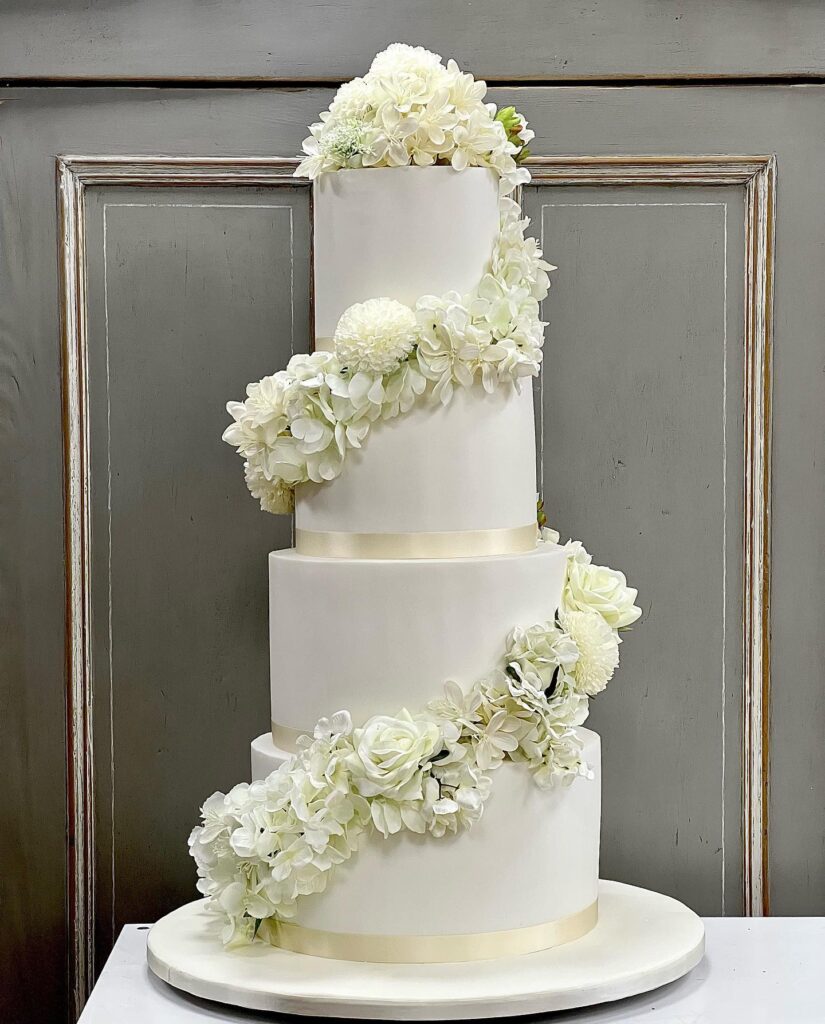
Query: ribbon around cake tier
(428, 949)
(286, 739)
(450, 544)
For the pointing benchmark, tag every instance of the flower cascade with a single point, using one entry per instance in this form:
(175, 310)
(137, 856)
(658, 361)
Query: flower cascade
(297, 425)
(264, 844)
(411, 109)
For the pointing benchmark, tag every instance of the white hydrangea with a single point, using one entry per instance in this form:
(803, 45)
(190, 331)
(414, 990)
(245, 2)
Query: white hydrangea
(375, 336)
(540, 652)
(412, 109)
(598, 647)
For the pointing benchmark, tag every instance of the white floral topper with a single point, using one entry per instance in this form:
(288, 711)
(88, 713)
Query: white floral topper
(411, 109)
(262, 846)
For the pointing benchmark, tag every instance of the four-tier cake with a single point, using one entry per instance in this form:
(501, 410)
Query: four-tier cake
(426, 791)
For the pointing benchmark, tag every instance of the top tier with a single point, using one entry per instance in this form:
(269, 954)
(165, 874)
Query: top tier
(400, 233)
(469, 467)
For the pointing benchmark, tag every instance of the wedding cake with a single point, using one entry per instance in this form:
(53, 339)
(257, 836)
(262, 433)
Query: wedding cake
(426, 791)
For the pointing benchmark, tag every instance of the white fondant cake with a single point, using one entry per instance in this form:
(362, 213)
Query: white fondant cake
(533, 858)
(388, 633)
(426, 791)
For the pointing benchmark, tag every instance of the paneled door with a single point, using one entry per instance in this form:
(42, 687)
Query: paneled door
(155, 257)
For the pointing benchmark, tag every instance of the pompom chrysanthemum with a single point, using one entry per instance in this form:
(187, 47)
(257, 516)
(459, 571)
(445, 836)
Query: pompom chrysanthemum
(375, 336)
(598, 648)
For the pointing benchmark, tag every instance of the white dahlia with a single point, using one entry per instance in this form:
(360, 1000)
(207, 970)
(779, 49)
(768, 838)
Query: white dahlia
(400, 58)
(375, 336)
(598, 648)
(353, 99)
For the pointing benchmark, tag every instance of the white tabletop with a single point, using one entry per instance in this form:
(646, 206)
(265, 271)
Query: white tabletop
(757, 970)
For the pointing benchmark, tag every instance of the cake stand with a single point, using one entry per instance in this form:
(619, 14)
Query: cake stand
(642, 940)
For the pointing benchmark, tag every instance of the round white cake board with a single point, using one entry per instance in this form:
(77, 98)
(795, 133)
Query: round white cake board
(642, 940)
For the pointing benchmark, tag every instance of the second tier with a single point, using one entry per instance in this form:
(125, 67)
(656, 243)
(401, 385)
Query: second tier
(373, 636)
(462, 469)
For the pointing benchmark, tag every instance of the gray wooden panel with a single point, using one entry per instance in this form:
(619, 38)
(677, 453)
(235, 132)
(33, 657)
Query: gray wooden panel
(192, 294)
(641, 425)
(538, 40)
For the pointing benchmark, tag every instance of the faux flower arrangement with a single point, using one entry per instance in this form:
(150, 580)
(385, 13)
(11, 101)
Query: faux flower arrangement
(298, 424)
(263, 845)
(411, 109)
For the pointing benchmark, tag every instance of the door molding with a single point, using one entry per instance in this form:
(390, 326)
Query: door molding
(757, 174)
(76, 173)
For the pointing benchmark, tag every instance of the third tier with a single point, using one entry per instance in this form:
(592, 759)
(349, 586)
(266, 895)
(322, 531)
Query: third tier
(372, 636)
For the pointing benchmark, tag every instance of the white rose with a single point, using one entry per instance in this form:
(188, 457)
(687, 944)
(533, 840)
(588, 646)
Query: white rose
(597, 588)
(389, 753)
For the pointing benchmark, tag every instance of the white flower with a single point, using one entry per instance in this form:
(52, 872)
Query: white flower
(497, 737)
(275, 496)
(354, 99)
(346, 141)
(402, 58)
(466, 94)
(598, 647)
(389, 754)
(476, 138)
(540, 651)
(456, 706)
(375, 336)
(411, 109)
(597, 588)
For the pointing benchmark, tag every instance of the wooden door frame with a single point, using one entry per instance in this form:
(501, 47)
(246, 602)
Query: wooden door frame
(75, 174)
(757, 174)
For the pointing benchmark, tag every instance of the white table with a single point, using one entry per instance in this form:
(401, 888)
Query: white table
(757, 971)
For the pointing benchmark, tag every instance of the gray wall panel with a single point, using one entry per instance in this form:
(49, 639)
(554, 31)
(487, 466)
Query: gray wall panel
(192, 294)
(640, 370)
(533, 39)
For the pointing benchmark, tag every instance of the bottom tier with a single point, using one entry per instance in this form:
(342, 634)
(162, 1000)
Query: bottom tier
(532, 859)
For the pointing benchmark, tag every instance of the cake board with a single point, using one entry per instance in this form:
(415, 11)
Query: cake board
(642, 940)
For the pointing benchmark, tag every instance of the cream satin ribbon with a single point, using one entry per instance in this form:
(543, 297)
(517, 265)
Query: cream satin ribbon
(428, 949)
(452, 544)
(286, 738)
